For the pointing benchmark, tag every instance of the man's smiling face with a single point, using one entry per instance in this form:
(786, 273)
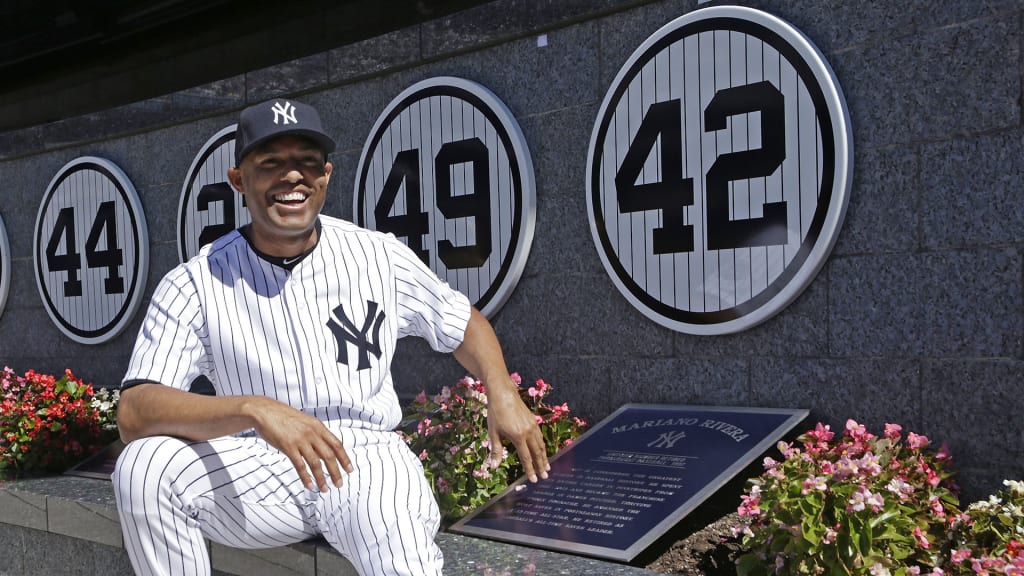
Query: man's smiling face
(284, 181)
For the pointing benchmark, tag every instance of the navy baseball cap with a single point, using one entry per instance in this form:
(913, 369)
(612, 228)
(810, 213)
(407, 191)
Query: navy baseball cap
(261, 122)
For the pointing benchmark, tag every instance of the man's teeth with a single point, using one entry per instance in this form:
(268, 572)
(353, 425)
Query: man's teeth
(290, 197)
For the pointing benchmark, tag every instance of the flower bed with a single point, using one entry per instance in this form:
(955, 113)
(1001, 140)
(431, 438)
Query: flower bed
(48, 424)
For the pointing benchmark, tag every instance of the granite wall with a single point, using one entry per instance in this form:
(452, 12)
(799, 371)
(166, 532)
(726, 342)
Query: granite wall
(916, 318)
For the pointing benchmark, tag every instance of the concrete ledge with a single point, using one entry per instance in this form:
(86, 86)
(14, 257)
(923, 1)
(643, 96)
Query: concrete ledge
(69, 525)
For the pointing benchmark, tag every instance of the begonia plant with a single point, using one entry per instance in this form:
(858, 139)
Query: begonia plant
(448, 431)
(856, 504)
(989, 537)
(48, 424)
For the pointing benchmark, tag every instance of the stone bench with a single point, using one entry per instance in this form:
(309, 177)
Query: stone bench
(59, 525)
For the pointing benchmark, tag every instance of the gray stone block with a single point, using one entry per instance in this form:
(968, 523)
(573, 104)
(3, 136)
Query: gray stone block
(24, 509)
(595, 386)
(884, 213)
(24, 293)
(374, 55)
(872, 392)
(286, 78)
(973, 404)
(970, 191)
(798, 330)
(330, 563)
(294, 560)
(12, 542)
(514, 71)
(87, 521)
(505, 19)
(578, 315)
(980, 483)
(931, 304)
(348, 113)
(899, 90)
(559, 142)
(55, 554)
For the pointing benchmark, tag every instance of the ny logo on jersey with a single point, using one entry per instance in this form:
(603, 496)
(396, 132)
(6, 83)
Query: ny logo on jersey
(667, 439)
(284, 113)
(345, 331)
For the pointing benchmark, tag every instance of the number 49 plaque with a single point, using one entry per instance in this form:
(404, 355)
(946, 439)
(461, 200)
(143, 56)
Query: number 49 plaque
(446, 169)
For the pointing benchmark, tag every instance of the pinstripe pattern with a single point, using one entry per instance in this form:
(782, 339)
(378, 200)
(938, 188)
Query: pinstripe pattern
(255, 328)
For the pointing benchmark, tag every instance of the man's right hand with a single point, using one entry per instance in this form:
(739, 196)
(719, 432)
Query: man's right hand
(302, 438)
(152, 409)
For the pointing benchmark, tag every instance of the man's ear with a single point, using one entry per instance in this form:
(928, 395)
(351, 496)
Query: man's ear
(328, 169)
(235, 178)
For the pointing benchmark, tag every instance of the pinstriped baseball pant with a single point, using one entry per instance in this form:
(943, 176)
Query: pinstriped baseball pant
(242, 492)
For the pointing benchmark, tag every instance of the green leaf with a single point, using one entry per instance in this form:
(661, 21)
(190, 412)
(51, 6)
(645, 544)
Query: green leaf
(750, 565)
(812, 530)
(56, 426)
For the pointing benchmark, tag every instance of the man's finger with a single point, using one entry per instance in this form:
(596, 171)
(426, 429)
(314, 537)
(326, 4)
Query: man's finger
(332, 468)
(526, 459)
(300, 466)
(540, 457)
(338, 453)
(497, 450)
(314, 461)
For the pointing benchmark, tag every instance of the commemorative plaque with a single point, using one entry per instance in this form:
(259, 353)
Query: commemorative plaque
(631, 478)
(100, 465)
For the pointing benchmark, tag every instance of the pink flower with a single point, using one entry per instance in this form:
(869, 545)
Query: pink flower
(875, 501)
(916, 441)
(822, 433)
(892, 431)
(751, 505)
(516, 378)
(900, 488)
(856, 431)
(922, 540)
(857, 501)
(943, 453)
(814, 483)
(869, 464)
(958, 556)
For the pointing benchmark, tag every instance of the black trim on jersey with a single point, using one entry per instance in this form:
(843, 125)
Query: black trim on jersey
(286, 262)
(135, 382)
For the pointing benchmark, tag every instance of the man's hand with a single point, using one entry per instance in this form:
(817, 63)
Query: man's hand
(508, 417)
(303, 439)
(153, 409)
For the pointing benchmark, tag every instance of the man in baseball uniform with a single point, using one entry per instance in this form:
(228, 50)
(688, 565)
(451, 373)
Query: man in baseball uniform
(294, 319)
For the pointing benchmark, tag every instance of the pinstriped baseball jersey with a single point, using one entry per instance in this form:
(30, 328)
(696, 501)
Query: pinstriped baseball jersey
(319, 336)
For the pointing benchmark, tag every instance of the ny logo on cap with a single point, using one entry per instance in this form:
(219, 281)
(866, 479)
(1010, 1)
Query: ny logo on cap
(284, 113)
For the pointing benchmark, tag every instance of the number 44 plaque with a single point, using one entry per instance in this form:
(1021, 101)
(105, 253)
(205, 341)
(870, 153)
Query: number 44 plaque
(631, 478)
